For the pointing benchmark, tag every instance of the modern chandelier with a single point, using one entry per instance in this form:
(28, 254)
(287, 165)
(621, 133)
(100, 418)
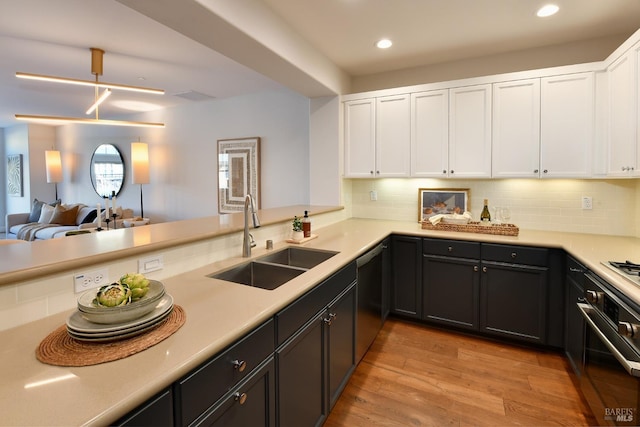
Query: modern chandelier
(96, 69)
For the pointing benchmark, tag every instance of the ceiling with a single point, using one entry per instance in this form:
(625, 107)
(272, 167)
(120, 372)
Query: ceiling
(53, 37)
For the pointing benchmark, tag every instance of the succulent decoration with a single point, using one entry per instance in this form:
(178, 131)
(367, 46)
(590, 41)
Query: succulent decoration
(297, 224)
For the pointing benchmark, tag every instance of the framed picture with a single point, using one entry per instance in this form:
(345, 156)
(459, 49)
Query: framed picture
(14, 175)
(442, 201)
(238, 173)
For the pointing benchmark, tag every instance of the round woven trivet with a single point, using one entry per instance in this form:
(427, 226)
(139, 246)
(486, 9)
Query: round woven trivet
(59, 349)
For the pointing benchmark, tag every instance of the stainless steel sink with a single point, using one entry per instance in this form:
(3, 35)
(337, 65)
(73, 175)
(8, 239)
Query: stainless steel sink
(298, 257)
(259, 275)
(276, 269)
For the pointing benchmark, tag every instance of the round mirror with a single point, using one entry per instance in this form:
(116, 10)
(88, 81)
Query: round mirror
(107, 170)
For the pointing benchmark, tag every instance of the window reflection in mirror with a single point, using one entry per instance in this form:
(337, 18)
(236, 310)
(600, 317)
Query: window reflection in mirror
(107, 170)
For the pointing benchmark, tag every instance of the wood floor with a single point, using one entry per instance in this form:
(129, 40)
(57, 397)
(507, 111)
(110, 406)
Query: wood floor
(414, 375)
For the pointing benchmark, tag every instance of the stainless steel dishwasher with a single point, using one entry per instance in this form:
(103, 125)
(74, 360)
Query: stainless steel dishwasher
(370, 316)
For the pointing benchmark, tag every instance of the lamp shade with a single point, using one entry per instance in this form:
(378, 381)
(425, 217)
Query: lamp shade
(53, 165)
(139, 163)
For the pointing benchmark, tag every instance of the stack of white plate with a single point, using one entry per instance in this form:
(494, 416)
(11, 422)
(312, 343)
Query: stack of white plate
(94, 323)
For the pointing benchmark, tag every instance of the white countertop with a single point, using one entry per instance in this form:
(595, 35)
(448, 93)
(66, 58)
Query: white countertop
(218, 313)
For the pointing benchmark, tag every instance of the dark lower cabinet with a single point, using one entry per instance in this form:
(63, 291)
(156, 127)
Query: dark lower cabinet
(251, 403)
(574, 322)
(513, 301)
(315, 364)
(406, 285)
(157, 411)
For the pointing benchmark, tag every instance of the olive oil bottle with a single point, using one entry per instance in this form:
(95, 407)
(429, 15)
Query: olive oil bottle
(485, 216)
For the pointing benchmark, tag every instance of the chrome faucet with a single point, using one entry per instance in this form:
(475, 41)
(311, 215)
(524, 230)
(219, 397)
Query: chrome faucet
(248, 241)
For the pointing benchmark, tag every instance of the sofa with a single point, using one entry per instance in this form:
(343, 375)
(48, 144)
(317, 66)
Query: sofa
(54, 219)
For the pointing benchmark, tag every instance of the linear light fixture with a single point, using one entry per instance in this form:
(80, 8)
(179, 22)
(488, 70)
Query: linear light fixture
(82, 120)
(99, 101)
(96, 69)
(91, 83)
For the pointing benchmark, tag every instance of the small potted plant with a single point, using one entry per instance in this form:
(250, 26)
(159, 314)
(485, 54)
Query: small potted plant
(297, 229)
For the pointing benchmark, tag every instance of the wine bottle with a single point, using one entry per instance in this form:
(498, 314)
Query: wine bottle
(485, 216)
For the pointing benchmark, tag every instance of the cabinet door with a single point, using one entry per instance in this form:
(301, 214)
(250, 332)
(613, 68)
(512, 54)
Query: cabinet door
(515, 147)
(360, 138)
(386, 279)
(301, 374)
(622, 117)
(430, 134)
(567, 126)
(341, 331)
(157, 411)
(250, 404)
(451, 289)
(406, 287)
(470, 132)
(393, 121)
(513, 301)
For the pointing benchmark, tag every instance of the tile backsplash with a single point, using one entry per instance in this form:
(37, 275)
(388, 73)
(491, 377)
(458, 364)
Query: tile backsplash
(536, 204)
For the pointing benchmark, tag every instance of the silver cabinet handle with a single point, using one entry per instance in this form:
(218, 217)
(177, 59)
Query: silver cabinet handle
(535, 171)
(239, 365)
(330, 319)
(484, 269)
(241, 398)
(475, 268)
(514, 255)
(450, 249)
(576, 270)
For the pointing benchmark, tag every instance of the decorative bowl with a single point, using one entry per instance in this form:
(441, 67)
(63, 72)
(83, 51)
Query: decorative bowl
(155, 293)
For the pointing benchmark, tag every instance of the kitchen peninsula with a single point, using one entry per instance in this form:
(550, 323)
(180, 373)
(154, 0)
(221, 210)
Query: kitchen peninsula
(217, 312)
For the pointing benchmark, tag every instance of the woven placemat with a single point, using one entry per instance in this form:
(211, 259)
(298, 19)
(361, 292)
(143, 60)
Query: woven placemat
(475, 227)
(59, 349)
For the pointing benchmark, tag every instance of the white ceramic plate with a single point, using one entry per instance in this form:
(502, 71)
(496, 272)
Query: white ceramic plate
(156, 291)
(119, 335)
(76, 322)
(455, 219)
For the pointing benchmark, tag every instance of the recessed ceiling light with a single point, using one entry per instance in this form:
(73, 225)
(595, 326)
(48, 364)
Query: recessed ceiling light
(547, 10)
(384, 44)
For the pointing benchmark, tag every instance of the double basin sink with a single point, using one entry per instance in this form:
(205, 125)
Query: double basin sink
(275, 269)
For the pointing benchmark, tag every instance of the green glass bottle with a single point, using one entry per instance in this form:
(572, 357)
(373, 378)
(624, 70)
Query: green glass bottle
(485, 216)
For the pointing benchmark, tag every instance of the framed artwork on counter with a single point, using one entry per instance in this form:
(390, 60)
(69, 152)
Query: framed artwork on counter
(434, 201)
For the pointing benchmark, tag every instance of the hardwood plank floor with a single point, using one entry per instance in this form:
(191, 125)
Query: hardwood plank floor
(414, 375)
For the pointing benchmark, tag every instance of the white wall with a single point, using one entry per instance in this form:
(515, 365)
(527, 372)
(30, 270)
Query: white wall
(324, 156)
(183, 155)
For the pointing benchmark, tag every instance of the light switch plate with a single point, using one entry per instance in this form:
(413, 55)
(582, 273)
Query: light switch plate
(149, 264)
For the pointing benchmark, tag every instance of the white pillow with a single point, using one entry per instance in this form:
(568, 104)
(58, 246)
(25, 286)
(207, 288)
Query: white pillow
(46, 214)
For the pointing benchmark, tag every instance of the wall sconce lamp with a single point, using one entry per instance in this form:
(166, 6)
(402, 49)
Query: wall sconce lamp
(140, 167)
(53, 165)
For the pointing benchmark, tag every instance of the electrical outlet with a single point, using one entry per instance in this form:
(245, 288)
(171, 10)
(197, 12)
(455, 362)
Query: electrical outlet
(153, 263)
(90, 279)
(373, 195)
(587, 202)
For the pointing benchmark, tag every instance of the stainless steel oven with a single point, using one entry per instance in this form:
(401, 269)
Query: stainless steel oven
(611, 362)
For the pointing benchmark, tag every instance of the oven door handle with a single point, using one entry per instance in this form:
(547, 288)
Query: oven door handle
(633, 368)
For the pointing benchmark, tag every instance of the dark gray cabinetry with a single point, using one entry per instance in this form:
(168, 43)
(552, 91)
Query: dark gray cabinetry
(406, 286)
(386, 278)
(250, 403)
(574, 322)
(451, 282)
(316, 350)
(157, 411)
(198, 392)
(513, 292)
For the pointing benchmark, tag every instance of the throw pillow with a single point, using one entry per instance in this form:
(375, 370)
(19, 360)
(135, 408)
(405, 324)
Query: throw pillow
(63, 215)
(46, 213)
(90, 217)
(36, 209)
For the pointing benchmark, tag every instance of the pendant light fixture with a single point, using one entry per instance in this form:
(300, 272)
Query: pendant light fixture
(96, 69)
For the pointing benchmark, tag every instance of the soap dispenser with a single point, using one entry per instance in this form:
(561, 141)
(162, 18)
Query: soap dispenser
(306, 224)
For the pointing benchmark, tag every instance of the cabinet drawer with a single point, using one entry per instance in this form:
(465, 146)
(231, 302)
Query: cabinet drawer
(203, 387)
(515, 254)
(575, 270)
(453, 248)
(289, 320)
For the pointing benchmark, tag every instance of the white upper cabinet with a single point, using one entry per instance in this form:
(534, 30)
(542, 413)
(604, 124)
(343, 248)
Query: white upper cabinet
(430, 134)
(393, 124)
(470, 132)
(377, 137)
(623, 115)
(515, 148)
(360, 138)
(567, 125)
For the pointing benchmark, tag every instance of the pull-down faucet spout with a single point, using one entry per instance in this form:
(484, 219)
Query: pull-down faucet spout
(248, 242)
